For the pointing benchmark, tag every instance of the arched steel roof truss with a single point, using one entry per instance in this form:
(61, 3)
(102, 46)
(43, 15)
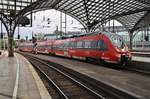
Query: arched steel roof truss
(91, 13)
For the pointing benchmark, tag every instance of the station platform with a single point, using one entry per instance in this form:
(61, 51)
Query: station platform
(141, 54)
(131, 83)
(19, 80)
(141, 63)
(2, 53)
(141, 59)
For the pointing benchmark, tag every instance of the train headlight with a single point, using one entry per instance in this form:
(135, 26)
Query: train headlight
(123, 50)
(118, 50)
(119, 58)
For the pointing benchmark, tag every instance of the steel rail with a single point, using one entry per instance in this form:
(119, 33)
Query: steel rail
(77, 82)
(51, 81)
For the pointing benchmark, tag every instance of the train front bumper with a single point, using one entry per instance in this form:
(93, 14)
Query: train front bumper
(125, 58)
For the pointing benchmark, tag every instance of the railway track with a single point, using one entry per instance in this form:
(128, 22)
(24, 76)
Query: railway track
(127, 68)
(66, 86)
(141, 54)
(137, 71)
(71, 85)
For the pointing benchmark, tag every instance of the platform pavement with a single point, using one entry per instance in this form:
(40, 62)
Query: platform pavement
(3, 53)
(131, 83)
(140, 52)
(141, 59)
(18, 79)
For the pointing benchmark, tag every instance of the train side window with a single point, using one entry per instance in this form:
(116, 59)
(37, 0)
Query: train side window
(49, 46)
(94, 44)
(55, 46)
(72, 44)
(75, 44)
(102, 45)
(79, 44)
(61, 46)
(83, 44)
(87, 44)
(66, 45)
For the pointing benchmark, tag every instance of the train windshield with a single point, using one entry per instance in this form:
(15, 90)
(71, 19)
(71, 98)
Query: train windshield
(117, 41)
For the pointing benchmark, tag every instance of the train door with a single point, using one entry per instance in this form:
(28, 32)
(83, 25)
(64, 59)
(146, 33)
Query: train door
(102, 50)
(93, 48)
(66, 45)
(46, 47)
(71, 49)
(79, 49)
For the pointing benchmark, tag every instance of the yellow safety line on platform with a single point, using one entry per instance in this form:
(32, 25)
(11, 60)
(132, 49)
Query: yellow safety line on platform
(17, 81)
(42, 90)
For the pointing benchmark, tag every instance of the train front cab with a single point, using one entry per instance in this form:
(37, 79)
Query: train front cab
(118, 49)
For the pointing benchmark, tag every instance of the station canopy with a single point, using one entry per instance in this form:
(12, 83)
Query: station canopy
(133, 14)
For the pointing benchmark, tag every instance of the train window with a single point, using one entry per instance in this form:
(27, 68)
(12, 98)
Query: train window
(79, 44)
(87, 44)
(102, 45)
(94, 44)
(66, 44)
(60, 46)
(54, 46)
(71, 44)
(49, 46)
(117, 41)
(75, 44)
(83, 44)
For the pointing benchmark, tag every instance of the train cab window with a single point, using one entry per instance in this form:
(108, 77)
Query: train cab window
(102, 45)
(117, 41)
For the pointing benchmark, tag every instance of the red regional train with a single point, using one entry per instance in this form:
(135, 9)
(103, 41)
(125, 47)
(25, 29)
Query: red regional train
(108, 47)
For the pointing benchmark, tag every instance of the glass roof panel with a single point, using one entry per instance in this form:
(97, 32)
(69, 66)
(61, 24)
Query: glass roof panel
(88, 12)
(9, 5)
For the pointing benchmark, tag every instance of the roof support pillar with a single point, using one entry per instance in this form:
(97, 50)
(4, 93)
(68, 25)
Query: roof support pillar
(10, 46)
(10, 33)
(10, 26)
(131, 39)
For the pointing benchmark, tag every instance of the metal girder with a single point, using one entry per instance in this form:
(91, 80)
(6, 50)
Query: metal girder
(56, 3)
(3, 20)
(129, 21)
(90, 13)
(131, 12)
(147, 2)
(137, 23)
